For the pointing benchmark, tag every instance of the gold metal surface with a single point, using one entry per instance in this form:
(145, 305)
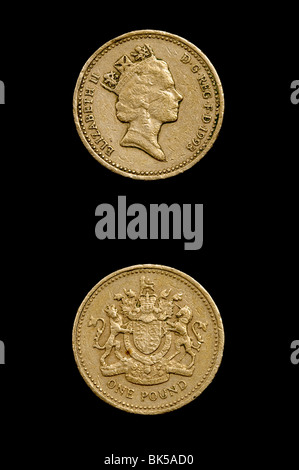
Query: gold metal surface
(148, 339)
(148, 104)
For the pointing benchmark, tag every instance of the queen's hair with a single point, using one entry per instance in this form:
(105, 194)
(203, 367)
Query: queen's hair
(136, 94)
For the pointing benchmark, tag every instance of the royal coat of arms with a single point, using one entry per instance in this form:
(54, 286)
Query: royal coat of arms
(147, 335)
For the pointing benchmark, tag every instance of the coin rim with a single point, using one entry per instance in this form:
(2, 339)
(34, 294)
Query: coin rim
(170, 173)
(218, 358)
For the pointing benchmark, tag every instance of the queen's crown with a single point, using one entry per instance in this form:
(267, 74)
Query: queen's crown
(125, 67)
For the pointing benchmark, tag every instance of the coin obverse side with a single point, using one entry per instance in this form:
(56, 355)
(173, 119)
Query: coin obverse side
(148, 339)
(148, 105)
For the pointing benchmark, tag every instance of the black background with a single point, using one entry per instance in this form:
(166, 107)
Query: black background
(51, 258)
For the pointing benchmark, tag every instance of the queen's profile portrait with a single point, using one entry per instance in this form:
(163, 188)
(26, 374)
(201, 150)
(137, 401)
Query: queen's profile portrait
(147, 98)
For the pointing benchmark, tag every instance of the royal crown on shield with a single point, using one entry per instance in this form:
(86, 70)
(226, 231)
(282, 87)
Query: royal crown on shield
(147, 302)
(150, 335)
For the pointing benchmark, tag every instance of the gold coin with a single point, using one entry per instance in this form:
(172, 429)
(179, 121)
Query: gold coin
(148, 104)
(148, 339)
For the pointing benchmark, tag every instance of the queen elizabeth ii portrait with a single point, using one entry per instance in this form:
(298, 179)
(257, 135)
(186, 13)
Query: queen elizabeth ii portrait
(147, 98)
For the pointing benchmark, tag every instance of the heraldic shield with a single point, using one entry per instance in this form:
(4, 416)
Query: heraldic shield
(147, 336)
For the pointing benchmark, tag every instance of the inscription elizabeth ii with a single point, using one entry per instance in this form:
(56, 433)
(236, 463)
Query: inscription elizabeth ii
(150, 342)
(164, 111)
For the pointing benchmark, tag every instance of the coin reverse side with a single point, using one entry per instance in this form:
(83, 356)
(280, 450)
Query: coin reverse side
(148, 339)
(148, 105)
